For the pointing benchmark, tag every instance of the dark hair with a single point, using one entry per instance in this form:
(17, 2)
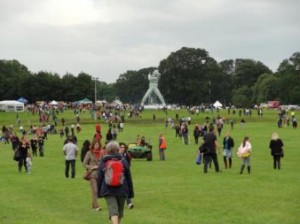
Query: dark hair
(122, 143)
(246, 138)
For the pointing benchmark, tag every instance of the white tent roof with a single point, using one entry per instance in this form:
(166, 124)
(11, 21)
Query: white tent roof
(217, 104)
(53, 102)
(118, 102)
(11, 102)
(11, 105)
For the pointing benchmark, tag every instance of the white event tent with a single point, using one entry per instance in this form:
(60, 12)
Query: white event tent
(11, 105)
(217, 104)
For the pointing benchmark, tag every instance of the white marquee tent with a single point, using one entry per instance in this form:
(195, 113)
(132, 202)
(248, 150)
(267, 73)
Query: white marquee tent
(11, 105)
(53, 103)
(217, 104)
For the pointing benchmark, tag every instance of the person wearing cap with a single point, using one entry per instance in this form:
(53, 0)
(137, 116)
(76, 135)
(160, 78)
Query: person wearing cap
(70, 151)
(115, 195)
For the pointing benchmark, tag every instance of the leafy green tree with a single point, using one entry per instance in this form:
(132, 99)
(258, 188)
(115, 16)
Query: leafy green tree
(132, 85)
(190, 76)
(266, 88)
(242, 97)
(13, 75)
(227, 66)
(44, 86)
(106, 91)
(247, 72)
(288, 73)
(70, 93)
(84, 87)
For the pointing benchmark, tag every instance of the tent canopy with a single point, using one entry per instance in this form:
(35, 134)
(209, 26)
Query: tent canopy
(217, 104)
(53, 103)
(22, 100)
(11, 105)
(86, 101)
(118, 102)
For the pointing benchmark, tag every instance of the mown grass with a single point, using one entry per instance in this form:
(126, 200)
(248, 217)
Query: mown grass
(173, 191)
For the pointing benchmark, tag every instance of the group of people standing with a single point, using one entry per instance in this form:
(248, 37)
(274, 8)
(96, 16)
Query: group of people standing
(209, 149)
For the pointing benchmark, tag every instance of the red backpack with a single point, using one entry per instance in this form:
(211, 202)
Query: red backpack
(114, 172)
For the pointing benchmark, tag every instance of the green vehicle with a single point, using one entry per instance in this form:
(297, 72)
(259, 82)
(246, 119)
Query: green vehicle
(139, 151)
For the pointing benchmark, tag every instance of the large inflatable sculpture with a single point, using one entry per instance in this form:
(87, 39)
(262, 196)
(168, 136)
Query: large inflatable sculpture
(153, 91)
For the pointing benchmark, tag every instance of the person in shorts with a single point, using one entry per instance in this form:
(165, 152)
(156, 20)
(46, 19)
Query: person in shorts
(115, 196)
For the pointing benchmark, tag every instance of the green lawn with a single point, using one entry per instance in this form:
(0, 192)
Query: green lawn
(172, 191)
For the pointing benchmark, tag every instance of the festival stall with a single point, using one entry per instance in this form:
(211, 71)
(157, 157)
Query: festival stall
(11, 105)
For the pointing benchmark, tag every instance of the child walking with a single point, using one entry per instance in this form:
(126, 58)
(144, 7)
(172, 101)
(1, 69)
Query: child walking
(29, 162)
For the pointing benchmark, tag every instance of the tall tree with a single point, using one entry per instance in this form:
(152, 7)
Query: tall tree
(288, 73)
(69, 82)
(132, 85)
(247, 72)
(13, 75)
(266, 88)
(190, 76)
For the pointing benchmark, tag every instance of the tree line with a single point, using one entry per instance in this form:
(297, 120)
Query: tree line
(189, 76)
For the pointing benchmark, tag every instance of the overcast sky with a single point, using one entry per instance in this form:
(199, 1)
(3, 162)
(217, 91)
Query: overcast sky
(105, 38)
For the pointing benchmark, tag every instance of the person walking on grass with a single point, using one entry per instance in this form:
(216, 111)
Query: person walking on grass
(162, 145)
(91, 162)
(70, 151)
(24, 147)
(124, 153)
(276, 145)
(114, 190)
(244, 152)
(210, 141)
(228, 144)
(29, 162)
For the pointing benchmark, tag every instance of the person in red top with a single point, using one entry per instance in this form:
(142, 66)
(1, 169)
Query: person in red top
(162, 145)
(98, 128)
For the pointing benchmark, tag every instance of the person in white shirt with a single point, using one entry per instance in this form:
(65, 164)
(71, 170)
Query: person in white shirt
(70, 151)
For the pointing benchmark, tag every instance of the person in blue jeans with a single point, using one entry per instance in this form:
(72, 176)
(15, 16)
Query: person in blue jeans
(228, 144)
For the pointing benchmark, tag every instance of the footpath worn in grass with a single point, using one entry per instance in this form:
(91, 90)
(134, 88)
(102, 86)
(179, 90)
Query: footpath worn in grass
(166, 192)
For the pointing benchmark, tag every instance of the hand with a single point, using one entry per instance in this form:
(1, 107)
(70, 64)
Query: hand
(95, 167)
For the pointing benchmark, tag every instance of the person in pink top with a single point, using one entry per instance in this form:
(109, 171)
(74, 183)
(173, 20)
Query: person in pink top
(244, 152)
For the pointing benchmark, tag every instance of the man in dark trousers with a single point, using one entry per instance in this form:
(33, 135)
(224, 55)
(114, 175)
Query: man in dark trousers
(210, 140)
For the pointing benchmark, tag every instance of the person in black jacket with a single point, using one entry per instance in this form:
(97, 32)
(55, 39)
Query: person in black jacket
(211, 143)
(114, 195)
(125, 154)
(228, 144)
(276, 145)
(23, 147)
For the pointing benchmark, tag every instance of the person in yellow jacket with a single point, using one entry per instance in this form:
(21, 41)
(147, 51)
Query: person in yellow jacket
(162, 145)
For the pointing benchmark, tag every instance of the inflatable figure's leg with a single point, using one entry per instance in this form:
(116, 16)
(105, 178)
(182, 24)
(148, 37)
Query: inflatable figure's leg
(147, 94)
(160, 97)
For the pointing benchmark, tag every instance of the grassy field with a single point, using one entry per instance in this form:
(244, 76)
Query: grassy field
(166, 192)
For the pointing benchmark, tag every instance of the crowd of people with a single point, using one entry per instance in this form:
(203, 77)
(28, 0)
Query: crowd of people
(96, 154)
